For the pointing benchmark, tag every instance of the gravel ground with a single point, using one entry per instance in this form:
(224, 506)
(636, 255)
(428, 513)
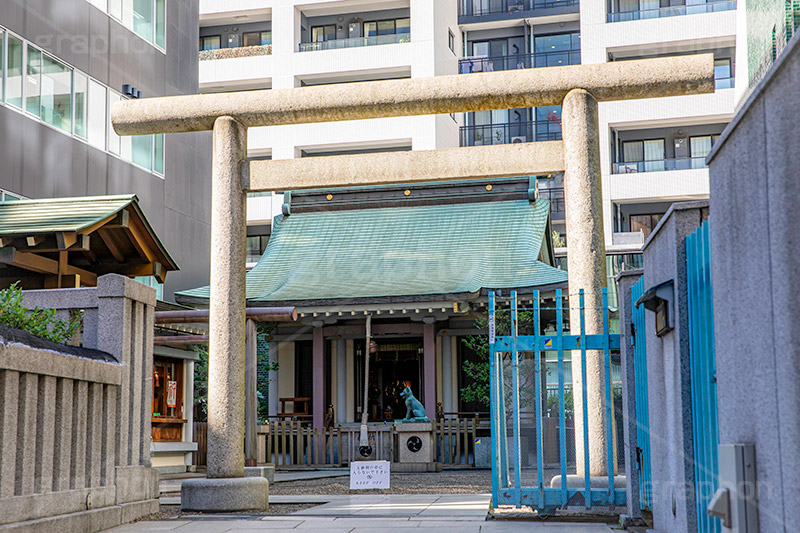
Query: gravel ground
(446, 482)
(174, 511)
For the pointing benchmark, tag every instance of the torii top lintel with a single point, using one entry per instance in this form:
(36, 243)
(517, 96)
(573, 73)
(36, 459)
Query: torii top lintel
(621, 80)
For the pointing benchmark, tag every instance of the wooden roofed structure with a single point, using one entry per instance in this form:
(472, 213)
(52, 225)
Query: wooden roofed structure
(69, 242)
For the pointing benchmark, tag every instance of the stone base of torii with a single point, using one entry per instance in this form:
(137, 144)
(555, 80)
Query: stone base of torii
(578, 89)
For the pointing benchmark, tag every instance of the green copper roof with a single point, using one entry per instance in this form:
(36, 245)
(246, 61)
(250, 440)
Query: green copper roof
(402, 251)
(29, 217)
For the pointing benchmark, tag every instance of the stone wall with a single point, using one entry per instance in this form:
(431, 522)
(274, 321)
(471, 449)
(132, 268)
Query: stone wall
(75, 427)
(756, 275)
(668, 374)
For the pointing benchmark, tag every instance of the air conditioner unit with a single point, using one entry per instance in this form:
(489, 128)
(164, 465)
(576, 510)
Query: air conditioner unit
(515, 140)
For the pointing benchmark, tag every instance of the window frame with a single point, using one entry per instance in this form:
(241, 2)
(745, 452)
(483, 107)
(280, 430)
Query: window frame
(202, 40)
(324, 33)
(173, 425)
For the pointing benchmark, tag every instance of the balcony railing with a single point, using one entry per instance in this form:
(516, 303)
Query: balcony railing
(510, 133)
(659, 165)
(556, 197)
(479, 8)
(356, 42)
(673, 11)
(241, 51)
(468, 65)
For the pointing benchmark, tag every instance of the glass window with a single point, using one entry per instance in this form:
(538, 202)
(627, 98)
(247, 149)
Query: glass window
(266, 37)
(15, 72)
(33, 81)
(158, 153)
(553, 43)
(404, 27)
(80, 84)
(142, 151)
(252, 38)
(97, 115)
(56, 93)
(143, 11)
(451, 40)
(2, 58)
(722, 74)
(256, 247)
(654, 155)
(161, 23)
(113, 139)
(210, 43)
(370, 29)
(644, 223)
(386, 27)
(323, 33)
(115, 9)
(632, 151)
(168, 407)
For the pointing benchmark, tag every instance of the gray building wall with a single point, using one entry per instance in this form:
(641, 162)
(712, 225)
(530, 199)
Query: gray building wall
(669, 375)
(756, 272)
(39, 162)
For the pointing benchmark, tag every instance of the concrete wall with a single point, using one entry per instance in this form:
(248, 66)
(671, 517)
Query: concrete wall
(668, 374)
(74, 431)
(40, 162)
(756, 272)
(626, 280)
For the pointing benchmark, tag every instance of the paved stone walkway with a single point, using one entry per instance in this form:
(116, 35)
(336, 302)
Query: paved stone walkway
(362, 514)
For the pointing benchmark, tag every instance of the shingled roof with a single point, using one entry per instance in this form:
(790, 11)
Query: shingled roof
(400, 253)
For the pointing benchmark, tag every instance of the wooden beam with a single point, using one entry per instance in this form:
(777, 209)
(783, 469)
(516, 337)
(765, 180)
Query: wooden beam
(139, 241)
(28, 261)
(42, 265)
(46, 243)
(148, 269)
(117, 220)
(108, 240)
(66, 239)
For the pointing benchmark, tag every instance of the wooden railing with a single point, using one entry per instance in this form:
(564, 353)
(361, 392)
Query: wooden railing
(201, 438)
(290, 443)
(455, 441)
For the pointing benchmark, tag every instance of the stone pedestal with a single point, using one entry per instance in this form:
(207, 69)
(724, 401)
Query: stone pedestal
(223, 495)
(415, 448)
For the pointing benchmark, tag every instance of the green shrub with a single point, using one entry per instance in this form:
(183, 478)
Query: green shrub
(42, 323)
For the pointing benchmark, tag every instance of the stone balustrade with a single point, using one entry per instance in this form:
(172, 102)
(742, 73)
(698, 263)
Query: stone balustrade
(75, 421)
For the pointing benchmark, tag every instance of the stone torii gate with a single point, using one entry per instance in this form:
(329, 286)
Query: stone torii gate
(577, 88)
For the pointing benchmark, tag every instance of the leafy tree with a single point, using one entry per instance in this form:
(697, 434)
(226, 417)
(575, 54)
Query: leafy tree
(478, 371)
(42, 323)
(201, 379)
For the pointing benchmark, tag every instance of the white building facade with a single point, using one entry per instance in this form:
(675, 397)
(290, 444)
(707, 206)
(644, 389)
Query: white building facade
(654, 150)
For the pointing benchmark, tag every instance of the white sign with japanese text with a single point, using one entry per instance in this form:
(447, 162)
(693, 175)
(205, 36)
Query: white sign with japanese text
(369, 475)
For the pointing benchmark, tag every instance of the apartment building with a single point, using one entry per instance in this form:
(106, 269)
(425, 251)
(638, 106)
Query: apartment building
(654, 150)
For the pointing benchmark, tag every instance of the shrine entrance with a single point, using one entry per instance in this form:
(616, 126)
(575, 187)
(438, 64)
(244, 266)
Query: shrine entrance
(396, 364)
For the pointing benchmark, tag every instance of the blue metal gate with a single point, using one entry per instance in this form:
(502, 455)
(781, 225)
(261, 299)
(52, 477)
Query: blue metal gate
(507, 342)
(638, 340)
(703, 368)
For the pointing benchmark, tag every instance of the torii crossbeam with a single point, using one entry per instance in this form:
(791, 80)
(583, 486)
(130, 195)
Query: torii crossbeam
(577, 88)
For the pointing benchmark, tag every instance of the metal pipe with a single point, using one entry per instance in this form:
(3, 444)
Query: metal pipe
(180, 340)
(258, 314)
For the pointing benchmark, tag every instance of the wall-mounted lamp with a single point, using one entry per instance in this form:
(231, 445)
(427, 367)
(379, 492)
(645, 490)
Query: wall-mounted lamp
(660, 299)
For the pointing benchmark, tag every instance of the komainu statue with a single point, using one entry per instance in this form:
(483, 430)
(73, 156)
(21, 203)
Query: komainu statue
(415, 412)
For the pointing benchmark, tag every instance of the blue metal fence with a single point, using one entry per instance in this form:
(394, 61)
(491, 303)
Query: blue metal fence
(642, 414)
(513, 343)
(703, 368)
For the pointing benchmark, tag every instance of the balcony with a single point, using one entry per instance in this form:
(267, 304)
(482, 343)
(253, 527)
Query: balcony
(672, 11)
(557, 205)
(357, 42)
(510, 133)
(482, 8)
(232, 53)
(469, 65)
(659, 165)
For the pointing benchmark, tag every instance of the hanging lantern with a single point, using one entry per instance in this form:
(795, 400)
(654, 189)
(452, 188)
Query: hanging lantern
(373, 347)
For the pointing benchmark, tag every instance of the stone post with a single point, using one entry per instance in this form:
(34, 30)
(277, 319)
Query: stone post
(227, 318)
(586, 254)
(429, 367)
(251, 398)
